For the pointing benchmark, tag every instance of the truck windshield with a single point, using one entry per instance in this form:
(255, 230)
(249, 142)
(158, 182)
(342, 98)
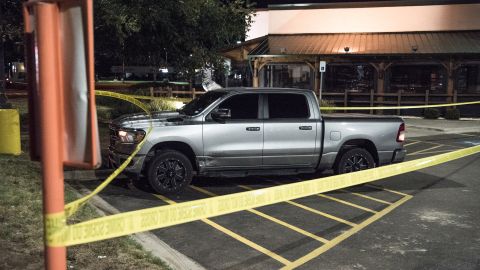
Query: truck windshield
(199, 104)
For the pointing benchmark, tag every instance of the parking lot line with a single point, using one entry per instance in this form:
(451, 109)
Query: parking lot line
(424, 150)
(234, 235)
(347, 203)
(468, 135)
(273, 219)
(247, 242)
(386, 189)
(365, 196)
(341, 220)
(430, 152)
(412, 143)
(441, 144)
(335, 241)
(165, 199)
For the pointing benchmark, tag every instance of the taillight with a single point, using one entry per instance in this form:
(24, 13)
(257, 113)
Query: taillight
(401, 133)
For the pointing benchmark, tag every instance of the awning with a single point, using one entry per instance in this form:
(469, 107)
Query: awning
(240, 51)
(403, 43)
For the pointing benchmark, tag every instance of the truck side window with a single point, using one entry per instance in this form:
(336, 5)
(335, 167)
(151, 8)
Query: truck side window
(243, 106)
(287, 106)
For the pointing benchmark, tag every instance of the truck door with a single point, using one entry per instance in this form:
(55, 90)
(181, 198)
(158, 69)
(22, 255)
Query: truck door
(290, 131)
(237, 141)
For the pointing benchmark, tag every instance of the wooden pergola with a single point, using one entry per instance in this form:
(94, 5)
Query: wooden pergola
(449, 49)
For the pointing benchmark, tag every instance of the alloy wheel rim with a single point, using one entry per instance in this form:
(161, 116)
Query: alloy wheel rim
(356, 163)
(171, 173)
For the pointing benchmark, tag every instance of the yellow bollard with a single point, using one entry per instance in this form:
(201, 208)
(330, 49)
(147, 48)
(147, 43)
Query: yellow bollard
(9, 132)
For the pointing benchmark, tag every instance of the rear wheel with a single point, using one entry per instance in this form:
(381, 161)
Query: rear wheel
(353, 160)
(170, 172)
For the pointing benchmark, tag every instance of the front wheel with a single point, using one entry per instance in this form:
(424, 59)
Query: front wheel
(170, 172)
(353, 160)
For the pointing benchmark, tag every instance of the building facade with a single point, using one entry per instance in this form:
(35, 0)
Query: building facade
(377, 52)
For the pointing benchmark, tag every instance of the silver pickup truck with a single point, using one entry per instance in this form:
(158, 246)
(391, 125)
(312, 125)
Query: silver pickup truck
(252, 131)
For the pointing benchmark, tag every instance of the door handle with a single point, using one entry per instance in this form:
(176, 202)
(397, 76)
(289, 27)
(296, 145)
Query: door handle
(305, 127)
(253, 128)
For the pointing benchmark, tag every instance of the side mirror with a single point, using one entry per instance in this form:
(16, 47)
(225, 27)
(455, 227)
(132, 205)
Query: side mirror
(221, 114)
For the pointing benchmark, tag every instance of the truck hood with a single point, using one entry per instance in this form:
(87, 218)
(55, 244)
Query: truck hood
(142, 120)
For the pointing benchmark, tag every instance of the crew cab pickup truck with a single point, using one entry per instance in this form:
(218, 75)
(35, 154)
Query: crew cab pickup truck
(252, 131)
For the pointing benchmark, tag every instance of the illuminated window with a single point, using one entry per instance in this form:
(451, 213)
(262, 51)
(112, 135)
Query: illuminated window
(417, 79)
(348, 77)
(468, 79)
(287, 75)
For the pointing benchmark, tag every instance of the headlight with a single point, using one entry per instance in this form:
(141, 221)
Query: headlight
(127, 136)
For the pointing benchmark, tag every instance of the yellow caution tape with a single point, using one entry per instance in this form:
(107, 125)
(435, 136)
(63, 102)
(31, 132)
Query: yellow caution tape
(350, 108)
(145, 97)
(163, 216)
(400, 107)
(130, 98)
(53, 223)
(72, 207)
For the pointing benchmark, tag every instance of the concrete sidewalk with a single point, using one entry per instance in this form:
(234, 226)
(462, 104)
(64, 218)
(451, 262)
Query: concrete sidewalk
(427, 127)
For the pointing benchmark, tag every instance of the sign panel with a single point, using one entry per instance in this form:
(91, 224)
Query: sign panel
(70, 58)
(323, 66)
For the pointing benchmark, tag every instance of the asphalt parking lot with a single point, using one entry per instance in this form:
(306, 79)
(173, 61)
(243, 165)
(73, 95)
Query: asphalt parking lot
(427, 219)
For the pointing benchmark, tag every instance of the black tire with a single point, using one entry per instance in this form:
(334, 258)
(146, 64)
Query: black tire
(170, 172)
(353, 160)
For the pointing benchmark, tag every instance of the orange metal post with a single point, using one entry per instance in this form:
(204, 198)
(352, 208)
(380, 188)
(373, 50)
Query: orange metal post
(50, 113)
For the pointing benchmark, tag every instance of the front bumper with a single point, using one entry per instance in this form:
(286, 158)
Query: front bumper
(399, 155)
(116, 159)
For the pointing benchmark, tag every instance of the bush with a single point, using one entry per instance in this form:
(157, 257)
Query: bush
(430, 113)
(158, 105)
(452, 114)
(326, 104)
(104, 113)
(117, 107)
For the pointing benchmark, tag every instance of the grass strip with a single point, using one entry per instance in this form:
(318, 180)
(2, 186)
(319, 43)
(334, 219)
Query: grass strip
(21, 243)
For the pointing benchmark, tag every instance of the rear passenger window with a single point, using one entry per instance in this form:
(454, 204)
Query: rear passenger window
(243, 106)
(287, 106)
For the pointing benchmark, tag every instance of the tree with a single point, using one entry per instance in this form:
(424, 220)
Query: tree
(191, 32)
(144, 32)
(11, 29)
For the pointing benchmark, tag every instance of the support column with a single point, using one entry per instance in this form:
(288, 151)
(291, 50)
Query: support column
(380, 84)
(255, 73)
(450, 82)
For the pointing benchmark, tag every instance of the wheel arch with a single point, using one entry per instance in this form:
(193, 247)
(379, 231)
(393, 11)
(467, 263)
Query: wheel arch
(179, 146)
(358, 143)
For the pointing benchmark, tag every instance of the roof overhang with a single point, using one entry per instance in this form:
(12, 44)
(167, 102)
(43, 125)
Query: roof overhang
(239, 52)
(410, 44)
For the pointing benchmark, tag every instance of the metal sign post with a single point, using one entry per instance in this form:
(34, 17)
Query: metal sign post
(50, 134)
(323, 67)
(63, 128)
